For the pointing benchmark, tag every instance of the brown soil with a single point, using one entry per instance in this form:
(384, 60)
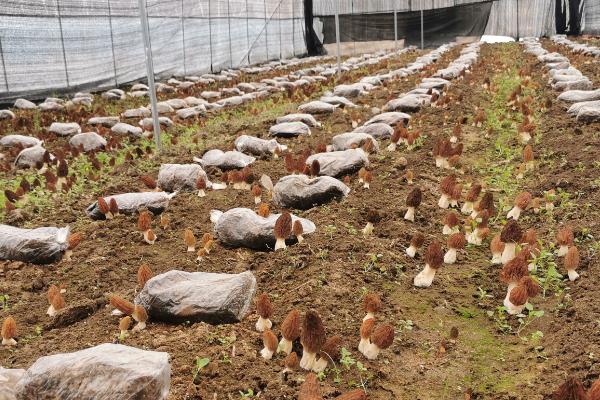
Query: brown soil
(336, 266)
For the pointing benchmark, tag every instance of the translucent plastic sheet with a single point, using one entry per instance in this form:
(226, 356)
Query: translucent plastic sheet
(39, 246)
(59, 46)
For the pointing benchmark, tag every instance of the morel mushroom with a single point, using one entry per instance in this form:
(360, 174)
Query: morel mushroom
(512, 272)
(311, 338)
(290, 363)
(521, 293)
(528, 158)
(190, 240)
(571, 389)
(571, 263)
(451, 223)
(263, 210)
(73, 242)
(415, 243)
(412, 202)
(144, 226)
(269, 343)
(201, 186)
(381, 339)
(104, 208)
(122, 305)
(366, 329)
(446, 187)
(550, 198)
(456, 195)
(264, 308)
(298, 231)
(564, 238)
(124, 325)
(456, 242)
(310, 389)
(497, 247)
(315, 168)
(367, 179)
(434, 257)
(329, 352)
(290, 331)
(57, 302)
(356, 394)
(594, 392)
(144, 274)
(139, 314)
(471, 198)
(256, 192)
(62, 171)
(149, 182)
(486, 204)
(282, 230)
(373, 217)
(372, 304)
(9, 331)
(521, 202)
(511, 235)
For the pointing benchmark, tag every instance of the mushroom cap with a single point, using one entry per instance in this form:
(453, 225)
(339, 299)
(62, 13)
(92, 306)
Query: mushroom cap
(290, 328)
(63, 169)
(571, 261)
(473, 193)
(121, 304)
(256, 190)
(414, 197)
(373, 216)
(518, 295)
(457, 191)
(58, 301)
(565, 236)
(264, 308)
(74, 240)
(270, 340)
(447, 184)
(283, 226)
(263, 210)
(514, 270)
(200, 183)
(451, 219)
(528, 153)
(417, 240)
(434, 256)
(124, 323)
(383, 336)
(189, 238)
(372, 303)
(533, 288)
(310, 388)
(457, 241)
(9, 328)
(139, 313)
(291, 361)
(313, 332)
(496, 245)
(486, 203)
(530, 236)
(113, 207)
(144, 274)
(522, 200)
(52, 291)
(315, 167)
(511, 232)
(571, 389)
(103, 205)
(367, 327)
(594, 392)
(144, 221)
(297, 228)
(332, 348)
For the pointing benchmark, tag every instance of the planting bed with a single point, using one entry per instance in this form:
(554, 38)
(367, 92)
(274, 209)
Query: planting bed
(495, 356)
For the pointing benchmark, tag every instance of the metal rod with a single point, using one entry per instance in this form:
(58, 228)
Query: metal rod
(229, 27)
(210, 35)
(395, 28)
(337, 36)
(183, 38)
(4, 66)
(62, 41)
(247, 32)
(293, 28)
(422, 34)
(112, 43)
(266, 30)
(517, 20)
(280, 50)
(150, 71)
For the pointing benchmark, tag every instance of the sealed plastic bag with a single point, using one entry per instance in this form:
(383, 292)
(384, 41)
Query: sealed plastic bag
(224, 160)
(38, 246)
(175, 177)
(302, 192)
(129, 203)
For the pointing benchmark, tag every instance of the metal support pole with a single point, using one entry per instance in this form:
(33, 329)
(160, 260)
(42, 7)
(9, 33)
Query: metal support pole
(266, 30)
(210, 35)
(293, 28)
(247, 32)
(112, 43)
(422, 34)
(280, 50)
(395, 27)
(4, 67)
(229, 27)
(150, 70)
(337, 36)
(183, 38)
(518, 20)
(62, 41)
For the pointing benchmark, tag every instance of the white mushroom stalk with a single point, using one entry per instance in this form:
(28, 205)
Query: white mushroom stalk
(424, 278)
(411, 251)
(368, 229)
(467, 207)
(450, 256)
(509, 252)
(444, 201)
(308, 360)
(514, 213)
(263, 324)
(410, 214)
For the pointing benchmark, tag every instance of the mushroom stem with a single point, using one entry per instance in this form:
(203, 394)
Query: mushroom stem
(467, 207)
(411, 251)
(140, 326)
(219, 186)
(266, 353)
(497, 258)
(473, 237)
(51, 311)
(67, 256)
(424, 278)
(300, 238)
(369, 316)
(147, 237)
(562, 250)
(257, 200)
(444, 201)
(509, 252)
(364, 342)
(450, 256)
(308, 360)
(447, 230)
(320, 365)
(191, 249)
(368, 229)
(201, 193)
(514, 213)
(280, 244)
(371, 351)
(507, 302)
(410, 214)
(573, 275)
(392, 147)
(285, 346)
(263, 324)
(9, 342)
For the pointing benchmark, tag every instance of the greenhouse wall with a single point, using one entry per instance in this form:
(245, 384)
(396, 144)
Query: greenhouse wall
(69, 45)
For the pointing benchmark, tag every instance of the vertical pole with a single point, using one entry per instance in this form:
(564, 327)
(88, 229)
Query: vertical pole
(62, 42)
(517, 20)
(112, 43)
(337, 35)
(293, 28)
(279, 10)
(229, 27)
(422, 34)
(247, 32)
(266, 29)
(210, 35)
(395, 28)
(3, 66)
(183, 38)
(150, 70)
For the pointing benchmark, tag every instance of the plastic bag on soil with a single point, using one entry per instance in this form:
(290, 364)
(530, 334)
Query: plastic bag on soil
(30, 156)
(175, 177)
(7, 114)
(224, 160)
(129, 203)
(25, 141)
(576, 107)
(302, 192)
(107, 122)
(65, 128)
(338, 163)
(89, 141)
(8, 382)
(391, 118)
(43, 245)
(104, 372)
(350, 140)
(408, 103)
(256, 146)
(242, 227)
(317, 107)
(306, 118)
(579, 84)
(378, 130)
(589, 114)
(178, 296)
(338, 101)
(289, 129)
